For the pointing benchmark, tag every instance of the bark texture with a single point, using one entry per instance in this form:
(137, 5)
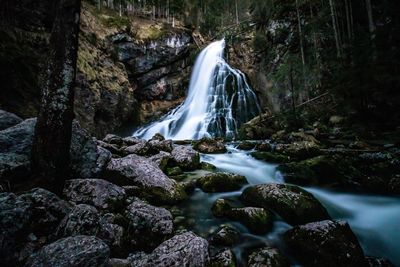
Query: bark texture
(51, 150)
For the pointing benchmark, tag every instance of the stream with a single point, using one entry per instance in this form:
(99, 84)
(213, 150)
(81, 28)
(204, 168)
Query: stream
(374, 219)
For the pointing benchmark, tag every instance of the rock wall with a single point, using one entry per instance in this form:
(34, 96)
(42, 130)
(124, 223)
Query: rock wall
(124, 76)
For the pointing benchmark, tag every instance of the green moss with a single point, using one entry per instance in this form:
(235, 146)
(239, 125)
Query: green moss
(270, 157)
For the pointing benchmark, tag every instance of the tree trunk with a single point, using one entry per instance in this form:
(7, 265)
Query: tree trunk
(51, 147)
(303, 59)
(237, 12)
(371, 23)
(334, 24)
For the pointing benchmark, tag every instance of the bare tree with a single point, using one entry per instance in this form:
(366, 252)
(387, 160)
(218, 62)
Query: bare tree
(51, 148)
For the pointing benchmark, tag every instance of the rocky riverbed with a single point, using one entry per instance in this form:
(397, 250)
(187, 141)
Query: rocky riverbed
(156, 202)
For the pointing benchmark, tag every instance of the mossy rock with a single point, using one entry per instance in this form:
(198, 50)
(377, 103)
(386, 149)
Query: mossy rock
(257, 220)
(209, 146)
(225, 235)
(207, 166)
(293, 204)
(221, 182)
(320, 170)
(267, 256)
(272, 157)
(174, 171)
(220, 208)
(246, 145)
(225, 258)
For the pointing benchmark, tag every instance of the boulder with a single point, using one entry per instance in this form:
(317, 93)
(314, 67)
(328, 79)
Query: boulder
(378, 262)
(185, 157)
(271, 157)
(27, 220)
(207, 166)
(148, 225)
(154, 185)
(325, 243)
(15, 151)
(246, 145)
(113, 139)
(114, 149)
(8, 119)
(210, 146)
(82, 220)
(221, 182)
(226, 235)
(299, 150)
(161, 145)
(185, 249)
(224, 258)
(85, 251)
(96, 192)
(142, 148)
(161, 160)
(267, 257)
(111, 233)
(257, 220)
(174, 171)
(293, 204)
(130, 141)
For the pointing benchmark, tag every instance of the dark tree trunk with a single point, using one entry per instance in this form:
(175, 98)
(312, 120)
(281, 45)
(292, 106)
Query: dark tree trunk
(51, 148)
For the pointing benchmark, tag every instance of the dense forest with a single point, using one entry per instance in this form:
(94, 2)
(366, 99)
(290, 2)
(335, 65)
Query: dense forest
(199, 133)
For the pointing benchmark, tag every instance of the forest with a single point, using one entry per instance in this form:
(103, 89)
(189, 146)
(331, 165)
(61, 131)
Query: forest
(199, 133)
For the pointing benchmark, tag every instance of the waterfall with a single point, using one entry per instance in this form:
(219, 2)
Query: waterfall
(219, 100)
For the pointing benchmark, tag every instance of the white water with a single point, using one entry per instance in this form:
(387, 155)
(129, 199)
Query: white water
(374, 219)
(219, 100)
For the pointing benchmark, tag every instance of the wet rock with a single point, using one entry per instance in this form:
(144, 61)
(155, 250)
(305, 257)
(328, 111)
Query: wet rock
(210, 146)
(26, 220)
(207, 166)
(8, 119)
(224, 258)
(113, 139)
(82, 220)
(221, 182)
(185, 157)
(264, 147)
(378, 262)
(147, 176)
(258, 220)
(111, 233)
(299, 150)
(185, 249)
(157, 137)
(272, 157)
(246, 145)
(267, 257)
(114, 149)
(226, 235)
(97, 192)
(174, 171)
(86, 251)
(15, 147)
(325, 243)
(293, 204)
(148, 225)
(130, 141)
(394, 185)
(161, 159)
(114, 262)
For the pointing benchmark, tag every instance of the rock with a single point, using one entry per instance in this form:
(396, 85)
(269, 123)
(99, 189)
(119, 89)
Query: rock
(258, 220)
(209, 146)
(264, 147)
(157, 137)
(378, 262)
(267, 257)
(112, 234)
(161, 160)
(174, 171)
(148, 225)
(161, 145)
(114, 149)
(26, 221)
(293, 204)
(224, 258)
(394, 185)
(335, 120)
(8, 119)
(142, 148)
(185, 249)
(320, 170)
(87, 159)
(207, 166)
(113, 139)
(15, 151)
(97, 192)
(272, 157)
(130, 141)
(246, 145)
(85, 251)
(114, 262)
(221, 182)
(185, 157)
(226, 235)
(82, 220)
(220, 208)
(325, 243)
(141, 172)
(299, 150)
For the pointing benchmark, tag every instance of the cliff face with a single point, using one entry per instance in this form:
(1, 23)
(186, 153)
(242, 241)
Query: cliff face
(130, 70)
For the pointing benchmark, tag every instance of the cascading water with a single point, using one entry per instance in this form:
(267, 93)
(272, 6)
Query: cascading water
(218, 102)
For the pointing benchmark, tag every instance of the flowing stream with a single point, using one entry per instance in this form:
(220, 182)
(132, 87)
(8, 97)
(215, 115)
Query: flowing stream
(219, 100)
